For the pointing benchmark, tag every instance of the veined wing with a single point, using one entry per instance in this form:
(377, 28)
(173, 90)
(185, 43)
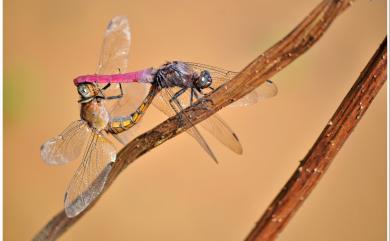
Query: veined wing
(116, 45)
(67, 146)
(114, 59)
(91, 175)
(133, 96)
(115, 51)
(220, 130)
(163, 103)
(266, 90)
(214, 125)
(220, 76)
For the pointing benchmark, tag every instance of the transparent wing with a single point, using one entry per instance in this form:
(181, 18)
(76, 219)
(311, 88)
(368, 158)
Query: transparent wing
(220, 76)
(215, 126)
(114, 59)
(116, 46)
(90, 177)
(220, 130)
(267, 90)
(171, 108)
(115, 51)
(133, 96)
(67, 146)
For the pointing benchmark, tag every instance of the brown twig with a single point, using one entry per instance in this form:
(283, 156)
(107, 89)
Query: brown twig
(259, 70)
(328, 144)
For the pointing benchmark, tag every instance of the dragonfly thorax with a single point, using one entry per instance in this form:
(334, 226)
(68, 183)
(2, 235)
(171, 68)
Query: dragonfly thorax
(175, 74)
(180, 74)
(95, 114)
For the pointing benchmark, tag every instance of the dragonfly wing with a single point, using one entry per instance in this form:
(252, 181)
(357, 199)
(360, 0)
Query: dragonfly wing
(220, 76)
(115, 51)
(113, 59)
(67, 146)
(267, 90)
(215, 126)
(133, 96)
(171, 108)
(220, 130)
(116, 46)
(91, 175)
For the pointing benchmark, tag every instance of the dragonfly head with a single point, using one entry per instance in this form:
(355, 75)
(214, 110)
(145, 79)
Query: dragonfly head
(204, 80)
(87, 92)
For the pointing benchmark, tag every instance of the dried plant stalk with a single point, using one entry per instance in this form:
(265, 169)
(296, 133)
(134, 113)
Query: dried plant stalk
(305, 35)
(328, 144)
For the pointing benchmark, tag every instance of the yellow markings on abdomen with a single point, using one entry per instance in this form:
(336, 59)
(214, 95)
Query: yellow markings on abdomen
(120, 124)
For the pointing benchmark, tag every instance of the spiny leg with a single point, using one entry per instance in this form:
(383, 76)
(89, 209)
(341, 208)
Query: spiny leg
(116, 96)
(192, 96)
(197, 93)
(174, 99)
(106, 86)
(178, 94)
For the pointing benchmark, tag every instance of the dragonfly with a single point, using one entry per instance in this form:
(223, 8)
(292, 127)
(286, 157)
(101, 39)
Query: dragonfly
(101, 114)
(179, 85)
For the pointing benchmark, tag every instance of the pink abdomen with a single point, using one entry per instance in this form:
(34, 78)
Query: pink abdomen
(142, 76)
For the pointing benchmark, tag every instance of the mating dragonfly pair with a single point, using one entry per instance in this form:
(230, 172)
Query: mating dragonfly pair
(112, 103)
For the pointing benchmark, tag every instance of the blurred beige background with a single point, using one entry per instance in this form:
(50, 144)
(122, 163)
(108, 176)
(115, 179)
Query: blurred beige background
(176, 192)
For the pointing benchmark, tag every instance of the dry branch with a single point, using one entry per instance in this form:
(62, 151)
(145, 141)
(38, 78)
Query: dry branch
(307, 33)
(328, 144)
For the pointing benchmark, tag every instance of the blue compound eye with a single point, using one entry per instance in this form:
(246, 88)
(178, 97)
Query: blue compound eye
(205, 79)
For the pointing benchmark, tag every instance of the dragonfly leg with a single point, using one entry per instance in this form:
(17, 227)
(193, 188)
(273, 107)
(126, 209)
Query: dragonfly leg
(106, 86)
(174, 99)
(196, 91)
(192, 96)
(178, 94)
(115, 96)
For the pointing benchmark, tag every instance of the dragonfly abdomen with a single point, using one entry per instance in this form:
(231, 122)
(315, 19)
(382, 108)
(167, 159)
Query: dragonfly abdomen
(142, 76)
(120, 124)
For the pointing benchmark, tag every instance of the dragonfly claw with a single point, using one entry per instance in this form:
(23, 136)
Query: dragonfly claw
(207, 102)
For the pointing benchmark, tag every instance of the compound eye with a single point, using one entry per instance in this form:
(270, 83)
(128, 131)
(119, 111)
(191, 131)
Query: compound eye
(205, 79)
(84, 91)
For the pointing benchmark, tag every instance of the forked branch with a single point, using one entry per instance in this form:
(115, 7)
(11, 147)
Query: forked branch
(298, 41)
